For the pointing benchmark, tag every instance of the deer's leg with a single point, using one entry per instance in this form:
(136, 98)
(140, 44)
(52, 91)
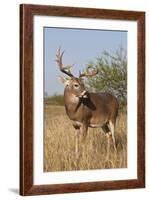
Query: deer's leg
(106, 130)
(83, 133)
(83, 130)
(112, 127)
(77, 135)
(108, 146)
(77, 138)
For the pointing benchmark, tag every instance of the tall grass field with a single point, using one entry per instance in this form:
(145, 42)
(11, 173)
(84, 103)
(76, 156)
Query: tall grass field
(59, 144)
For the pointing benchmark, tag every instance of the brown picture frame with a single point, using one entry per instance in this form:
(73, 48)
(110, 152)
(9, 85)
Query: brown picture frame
(27, 12)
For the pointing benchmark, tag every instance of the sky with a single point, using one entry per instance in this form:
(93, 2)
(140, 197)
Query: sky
(81, 46)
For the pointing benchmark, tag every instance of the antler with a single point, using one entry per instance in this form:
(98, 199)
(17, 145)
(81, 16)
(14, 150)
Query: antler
(89, 72)
(64, 69)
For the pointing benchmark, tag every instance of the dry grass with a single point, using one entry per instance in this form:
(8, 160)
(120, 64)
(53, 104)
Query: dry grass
(59, 144)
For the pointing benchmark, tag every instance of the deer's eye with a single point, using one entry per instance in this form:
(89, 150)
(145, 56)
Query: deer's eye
(76, 85)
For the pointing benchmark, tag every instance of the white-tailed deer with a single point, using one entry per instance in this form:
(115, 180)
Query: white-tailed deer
(87, 109)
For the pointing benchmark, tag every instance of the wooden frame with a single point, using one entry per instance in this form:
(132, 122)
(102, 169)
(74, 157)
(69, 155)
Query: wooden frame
(26, 99)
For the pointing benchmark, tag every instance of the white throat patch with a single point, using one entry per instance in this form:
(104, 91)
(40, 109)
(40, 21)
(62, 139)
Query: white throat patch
(74, 98)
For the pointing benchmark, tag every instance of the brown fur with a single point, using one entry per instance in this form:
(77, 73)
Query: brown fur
(96, 109)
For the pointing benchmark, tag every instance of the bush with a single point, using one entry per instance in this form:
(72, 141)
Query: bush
(112, 76)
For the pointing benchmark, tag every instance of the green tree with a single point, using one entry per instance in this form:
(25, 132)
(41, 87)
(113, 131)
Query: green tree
(112, 74)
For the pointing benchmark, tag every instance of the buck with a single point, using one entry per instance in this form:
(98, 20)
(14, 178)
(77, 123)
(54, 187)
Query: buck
(86, 109)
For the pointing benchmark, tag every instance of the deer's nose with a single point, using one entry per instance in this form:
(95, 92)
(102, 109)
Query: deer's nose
(83, 94)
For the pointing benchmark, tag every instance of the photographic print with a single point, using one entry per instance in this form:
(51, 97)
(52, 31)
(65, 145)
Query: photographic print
(82, 99)
(85, 99)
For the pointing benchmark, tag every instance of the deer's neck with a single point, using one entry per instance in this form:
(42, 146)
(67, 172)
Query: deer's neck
(73, 105)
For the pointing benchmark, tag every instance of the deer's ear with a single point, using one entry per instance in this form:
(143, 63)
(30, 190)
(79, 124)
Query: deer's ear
(64, 80)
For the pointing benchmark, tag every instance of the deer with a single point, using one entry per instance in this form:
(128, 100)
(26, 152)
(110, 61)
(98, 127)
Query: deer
(87, 109)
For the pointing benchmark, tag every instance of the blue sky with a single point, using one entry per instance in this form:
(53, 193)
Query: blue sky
(81, 46)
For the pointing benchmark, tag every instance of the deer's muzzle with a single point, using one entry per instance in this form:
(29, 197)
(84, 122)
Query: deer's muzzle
(83, 94)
